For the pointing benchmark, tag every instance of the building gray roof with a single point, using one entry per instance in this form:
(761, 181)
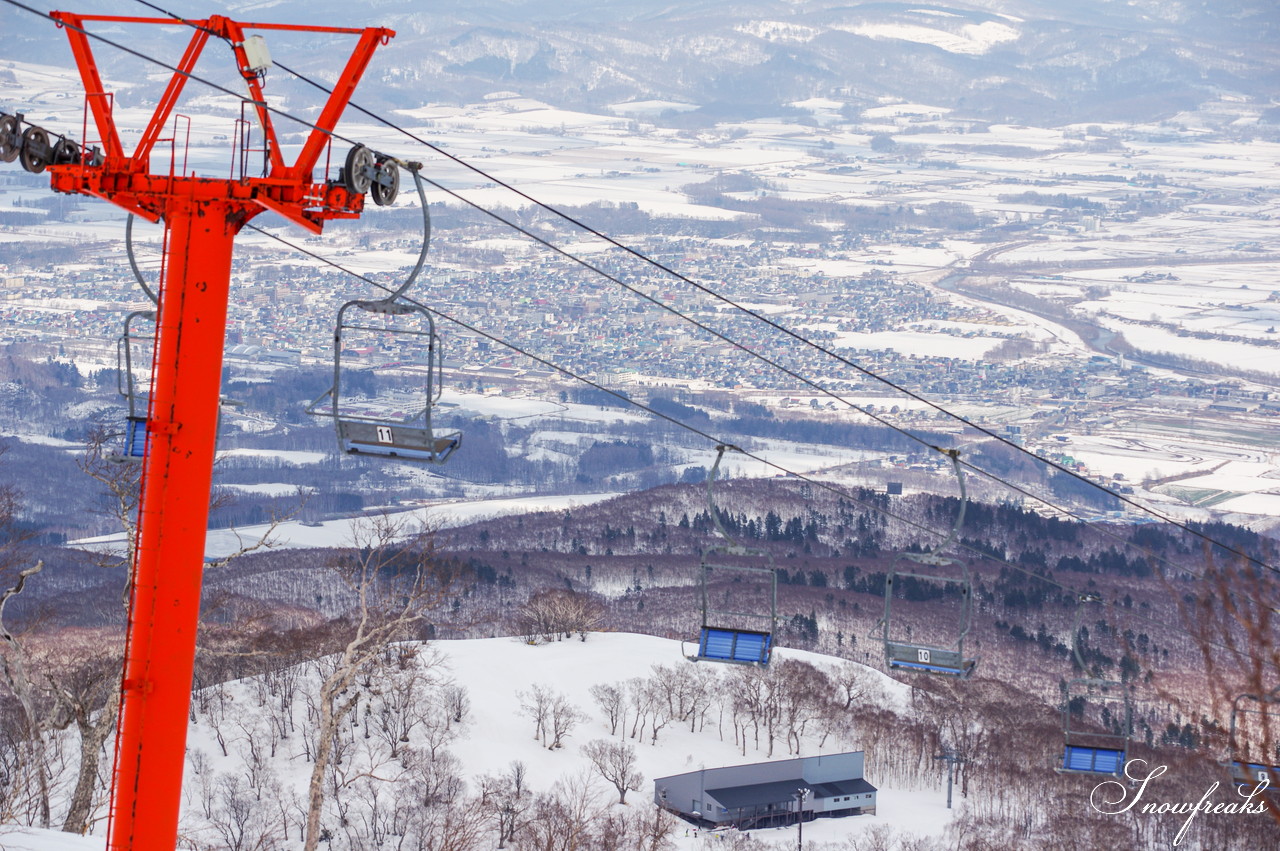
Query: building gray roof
(779, 791)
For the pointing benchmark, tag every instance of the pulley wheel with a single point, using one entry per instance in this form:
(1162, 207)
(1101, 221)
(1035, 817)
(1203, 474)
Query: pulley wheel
(385, 195)
(35, 149)
(10, 138)
(65, 152)
(356, 174)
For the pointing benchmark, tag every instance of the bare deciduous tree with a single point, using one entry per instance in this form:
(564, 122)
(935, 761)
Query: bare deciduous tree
(506, 799)
(616, 763)
(612, 702)
(395, 707)
(242, 819)
(84, 682)
(37, 720)
(563, 717)
(395, 580)
(1235, 622)
(536, 705)
(448, 827)
(562, 818)
(455, 702)
(434, 781)
(653, 829)
(557, 613)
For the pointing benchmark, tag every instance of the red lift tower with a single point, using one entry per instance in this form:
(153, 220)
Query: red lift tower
(201, 216)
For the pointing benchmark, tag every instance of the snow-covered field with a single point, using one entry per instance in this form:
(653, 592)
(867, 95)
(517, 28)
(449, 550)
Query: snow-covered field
(1199, 267)
(496, 670)
(340, 533)
(14, 838)
(496, 673)
(567, 157)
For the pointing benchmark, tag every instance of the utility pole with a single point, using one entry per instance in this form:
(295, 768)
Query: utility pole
(202, 216)
(800, 795)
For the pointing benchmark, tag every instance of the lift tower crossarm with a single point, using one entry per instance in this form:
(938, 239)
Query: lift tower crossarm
(202, 216)
(232, 32)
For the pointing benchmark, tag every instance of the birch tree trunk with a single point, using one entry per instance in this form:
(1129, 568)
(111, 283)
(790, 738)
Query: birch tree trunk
(396, 581)
(13, 666)
(92, 736)
(329, 721)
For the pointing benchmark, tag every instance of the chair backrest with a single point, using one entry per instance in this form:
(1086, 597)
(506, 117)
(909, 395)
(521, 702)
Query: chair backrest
(735, 645)
(933, 659)
(377, 437)
(135, 438)
(1093, 760)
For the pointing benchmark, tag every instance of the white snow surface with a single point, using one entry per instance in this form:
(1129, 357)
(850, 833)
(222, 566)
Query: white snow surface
(44, 440)
(496, 671)
(16, 838)
(268, 488)
(295, 457)
(340, 533)
(973, 39)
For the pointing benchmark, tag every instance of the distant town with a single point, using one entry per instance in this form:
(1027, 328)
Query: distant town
(1099, 294)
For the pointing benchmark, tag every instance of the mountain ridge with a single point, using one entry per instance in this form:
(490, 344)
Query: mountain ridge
(1022, 61)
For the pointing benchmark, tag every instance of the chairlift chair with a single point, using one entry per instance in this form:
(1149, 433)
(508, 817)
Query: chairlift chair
(408, 437)
(1089, 752)
(1253, 773)
(134, 446)
(364, 432)
(743, 637)
(1243, 772)
(1085, 751)
(932, 658)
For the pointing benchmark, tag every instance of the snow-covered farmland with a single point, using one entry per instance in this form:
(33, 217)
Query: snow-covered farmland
(340, 533)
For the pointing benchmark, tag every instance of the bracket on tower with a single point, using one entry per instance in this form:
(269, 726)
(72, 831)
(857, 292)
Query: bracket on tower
(288, 189)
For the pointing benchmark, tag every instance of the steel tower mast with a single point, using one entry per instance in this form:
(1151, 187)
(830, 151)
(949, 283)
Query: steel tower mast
(201, 216)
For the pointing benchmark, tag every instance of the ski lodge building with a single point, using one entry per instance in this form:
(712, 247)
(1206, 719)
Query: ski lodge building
(768, 794)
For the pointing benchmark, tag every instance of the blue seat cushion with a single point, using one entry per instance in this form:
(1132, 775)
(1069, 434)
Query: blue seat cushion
(733, 645)
(1093, 760)
(135, 438)
(751, 647)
